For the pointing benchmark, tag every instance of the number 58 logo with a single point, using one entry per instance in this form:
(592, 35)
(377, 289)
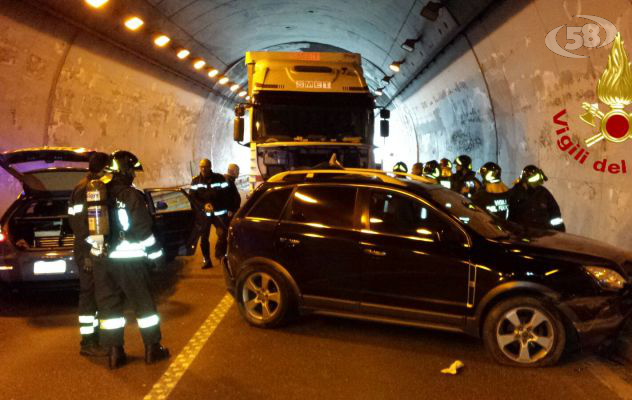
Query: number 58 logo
(581, 36)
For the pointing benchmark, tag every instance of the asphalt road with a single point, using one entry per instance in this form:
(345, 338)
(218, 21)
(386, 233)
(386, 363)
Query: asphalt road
(224, 358)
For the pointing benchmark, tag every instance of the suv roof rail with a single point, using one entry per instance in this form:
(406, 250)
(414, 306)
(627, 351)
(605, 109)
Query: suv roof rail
(374, 174)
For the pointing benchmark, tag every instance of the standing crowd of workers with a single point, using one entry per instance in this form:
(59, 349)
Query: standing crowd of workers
(527, 203)
(114, 247)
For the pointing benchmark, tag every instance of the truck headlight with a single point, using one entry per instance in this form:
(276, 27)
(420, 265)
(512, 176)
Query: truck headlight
(606, 277)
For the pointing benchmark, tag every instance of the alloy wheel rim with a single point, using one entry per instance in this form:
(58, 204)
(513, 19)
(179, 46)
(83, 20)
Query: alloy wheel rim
(261, 296)
(525, 335)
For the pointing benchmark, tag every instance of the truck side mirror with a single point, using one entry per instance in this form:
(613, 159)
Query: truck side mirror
(385, 114)
(238, 129)
(384, 128)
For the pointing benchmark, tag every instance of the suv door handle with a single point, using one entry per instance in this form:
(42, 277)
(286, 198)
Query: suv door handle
(375, 252)
(290, 242)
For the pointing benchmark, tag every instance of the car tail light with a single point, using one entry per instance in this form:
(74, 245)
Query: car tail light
(3, 237)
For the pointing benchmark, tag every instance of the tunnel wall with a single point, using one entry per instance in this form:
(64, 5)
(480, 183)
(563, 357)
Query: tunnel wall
(497, 89)
(60, 86)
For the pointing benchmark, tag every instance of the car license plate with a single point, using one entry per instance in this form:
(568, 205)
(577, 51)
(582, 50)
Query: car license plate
(49, 267)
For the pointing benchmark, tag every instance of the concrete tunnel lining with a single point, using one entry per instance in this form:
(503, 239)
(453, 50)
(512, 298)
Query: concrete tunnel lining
(480, 95)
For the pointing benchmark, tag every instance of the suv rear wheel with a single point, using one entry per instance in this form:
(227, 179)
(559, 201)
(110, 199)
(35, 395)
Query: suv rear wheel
(263, 296)
(524, 332)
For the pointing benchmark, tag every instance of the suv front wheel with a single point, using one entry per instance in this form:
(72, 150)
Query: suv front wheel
(263, 296)
(524, 332)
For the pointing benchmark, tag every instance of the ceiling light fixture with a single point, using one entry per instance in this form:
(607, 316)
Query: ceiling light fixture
(242, 93)
(96, 3)
(213, 73)
(199, 64)
(234, 87)
(396, 65)
(247, 98)
(379, 91)
(162, 40)
(134, 23)
(223, 80)
(183, 53)
(409, 44)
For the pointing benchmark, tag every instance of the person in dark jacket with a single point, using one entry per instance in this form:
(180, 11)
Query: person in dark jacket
(232, 173)
(532, 205)
(77, 218)
(211, 199)
(122, 273)
(445, 179)
(431, 172)
(417, 169)
(494, 196)
(464, 179)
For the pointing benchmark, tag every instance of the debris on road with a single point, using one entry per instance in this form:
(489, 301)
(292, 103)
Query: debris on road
(454, 368)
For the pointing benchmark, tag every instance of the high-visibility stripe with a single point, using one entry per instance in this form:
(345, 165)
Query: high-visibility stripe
(220, 212)
(123, 218)
(71, 211)
(95, 323)
(86, 319)
(78, 208)
(148, 322)
(86, 330)
(113, 323)
(199, 186)
(155, 254)
(150, 241)
(557, 221)
(127, 254)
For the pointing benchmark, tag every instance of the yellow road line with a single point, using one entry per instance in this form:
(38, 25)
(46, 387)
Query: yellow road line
(183, 361)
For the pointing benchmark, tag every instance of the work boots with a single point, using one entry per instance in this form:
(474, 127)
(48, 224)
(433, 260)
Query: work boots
(155, 352)
(117, 357)
(90, 347)
(207, 263)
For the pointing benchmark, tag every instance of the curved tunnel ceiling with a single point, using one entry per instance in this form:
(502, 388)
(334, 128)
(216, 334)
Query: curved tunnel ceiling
(222, 31)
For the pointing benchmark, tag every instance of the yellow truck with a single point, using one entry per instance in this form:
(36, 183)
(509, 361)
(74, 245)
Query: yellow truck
(304, 107)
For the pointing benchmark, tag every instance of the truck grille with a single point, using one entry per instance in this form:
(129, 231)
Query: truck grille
(54, 242)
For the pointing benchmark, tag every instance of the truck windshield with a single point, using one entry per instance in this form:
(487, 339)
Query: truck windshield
(313, 116)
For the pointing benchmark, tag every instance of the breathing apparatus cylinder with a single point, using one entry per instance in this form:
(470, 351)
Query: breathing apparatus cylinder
(98, 219)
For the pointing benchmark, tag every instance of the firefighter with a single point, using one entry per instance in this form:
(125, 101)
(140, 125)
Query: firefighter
(77, 218)
(532, 205)
(417, 169)
(122, 270)
(400, 166)
(232, 173)
(494, 196)
(445, 179)
(431, 172)
(464, 179)
(211, 198)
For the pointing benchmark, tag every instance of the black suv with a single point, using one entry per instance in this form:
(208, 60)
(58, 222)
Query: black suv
(35, 237)
(368, 245)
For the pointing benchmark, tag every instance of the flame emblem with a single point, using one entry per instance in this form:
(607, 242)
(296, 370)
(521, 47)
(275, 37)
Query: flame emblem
(615, 90)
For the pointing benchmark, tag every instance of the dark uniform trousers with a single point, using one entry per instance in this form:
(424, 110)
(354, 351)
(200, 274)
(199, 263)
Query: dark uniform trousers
(118, 280)
(88, 322)
(203, 232)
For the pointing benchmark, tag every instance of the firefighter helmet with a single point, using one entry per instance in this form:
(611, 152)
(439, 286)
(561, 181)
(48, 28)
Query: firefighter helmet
(417, 169)
(490, 172)
(533, 176)
(125, 163)
(400, 167)
(464, 162)
(431, 169)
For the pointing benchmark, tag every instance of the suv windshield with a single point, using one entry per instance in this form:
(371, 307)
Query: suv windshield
(479, 220)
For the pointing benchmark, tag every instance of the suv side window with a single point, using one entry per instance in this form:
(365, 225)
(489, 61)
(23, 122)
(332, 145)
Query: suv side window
(397, 214)
(332, 206)
(271, 204)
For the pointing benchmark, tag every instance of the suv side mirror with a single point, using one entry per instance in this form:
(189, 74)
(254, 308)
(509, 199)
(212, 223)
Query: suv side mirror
(238, 129)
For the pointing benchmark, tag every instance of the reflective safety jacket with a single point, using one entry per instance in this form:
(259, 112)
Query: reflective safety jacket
(494, 199)
(77, 217)
(535, 208)
(446, 182)
(214, 190)
(130, 236)
(466, 184)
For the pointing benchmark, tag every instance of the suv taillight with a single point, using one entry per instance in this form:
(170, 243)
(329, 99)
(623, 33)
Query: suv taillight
(3, 237)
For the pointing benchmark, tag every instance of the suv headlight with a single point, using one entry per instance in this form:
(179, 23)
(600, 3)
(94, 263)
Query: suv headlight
(606, 277)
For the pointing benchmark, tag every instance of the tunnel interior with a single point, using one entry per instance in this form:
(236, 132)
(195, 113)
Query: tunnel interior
(476, 78)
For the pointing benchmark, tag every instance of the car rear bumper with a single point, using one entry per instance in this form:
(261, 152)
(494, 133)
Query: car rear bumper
(596, 319)
(34, 267)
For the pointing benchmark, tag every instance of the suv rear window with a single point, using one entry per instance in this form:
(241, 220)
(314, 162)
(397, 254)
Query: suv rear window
(271, 204)
(331, 206)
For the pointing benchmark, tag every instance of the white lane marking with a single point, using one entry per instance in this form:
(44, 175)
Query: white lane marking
(183, 361)
(610, 379)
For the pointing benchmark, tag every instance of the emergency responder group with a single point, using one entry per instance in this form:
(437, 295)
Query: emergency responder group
(527, 203)
(114, 246)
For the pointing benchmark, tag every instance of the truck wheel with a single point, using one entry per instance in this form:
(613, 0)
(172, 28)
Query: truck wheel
(263, 296)
(524, 332)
